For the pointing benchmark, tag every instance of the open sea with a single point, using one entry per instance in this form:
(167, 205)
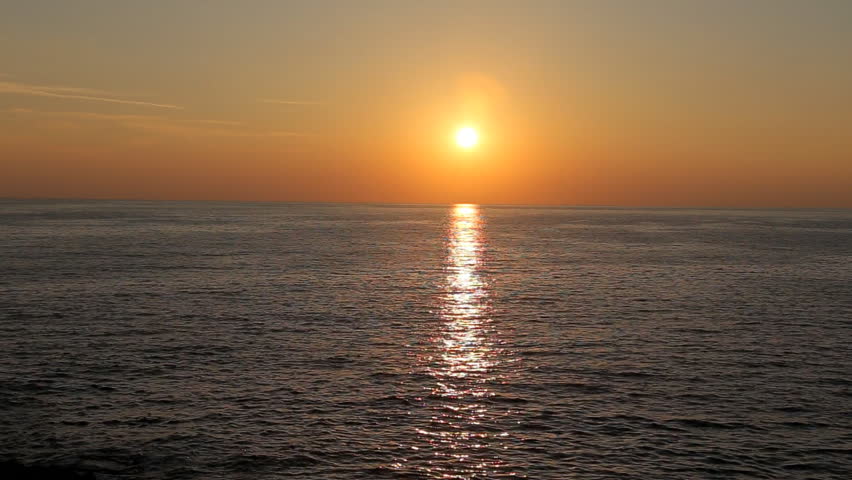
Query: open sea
(196, 340)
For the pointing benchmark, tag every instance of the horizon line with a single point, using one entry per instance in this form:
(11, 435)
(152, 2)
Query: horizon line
(443, 204)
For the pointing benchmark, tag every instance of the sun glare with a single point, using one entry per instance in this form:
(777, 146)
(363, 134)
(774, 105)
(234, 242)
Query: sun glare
(467, 137)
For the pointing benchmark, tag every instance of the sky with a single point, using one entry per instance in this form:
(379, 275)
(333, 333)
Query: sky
(740, 103)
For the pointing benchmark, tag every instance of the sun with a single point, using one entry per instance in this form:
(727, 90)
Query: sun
(467, 137)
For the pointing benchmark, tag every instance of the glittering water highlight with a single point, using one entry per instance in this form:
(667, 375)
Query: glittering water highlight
(465, 434)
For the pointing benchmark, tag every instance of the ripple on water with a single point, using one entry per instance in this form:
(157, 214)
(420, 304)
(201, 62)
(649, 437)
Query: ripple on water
(193, 340)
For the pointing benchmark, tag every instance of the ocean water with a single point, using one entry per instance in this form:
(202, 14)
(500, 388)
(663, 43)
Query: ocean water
(199, 340)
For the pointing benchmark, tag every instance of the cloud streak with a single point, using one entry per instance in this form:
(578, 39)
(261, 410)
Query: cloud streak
(75, 93)
(85, 115)
(288, 102)
(161, 124)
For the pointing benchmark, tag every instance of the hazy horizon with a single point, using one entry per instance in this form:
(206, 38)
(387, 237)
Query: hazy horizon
(426, 204)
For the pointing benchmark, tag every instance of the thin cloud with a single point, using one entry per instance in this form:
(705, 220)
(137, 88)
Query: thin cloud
(283, 133)
(85, 115)
(74, 93)
(167, 125)
(288, 102)
(184, 129)
(217, 122)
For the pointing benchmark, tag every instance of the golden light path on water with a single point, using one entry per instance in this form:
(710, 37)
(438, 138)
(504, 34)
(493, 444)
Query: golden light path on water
(465, 434)
(465, 351)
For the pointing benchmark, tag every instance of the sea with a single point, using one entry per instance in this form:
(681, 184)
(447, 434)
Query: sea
(196, 340)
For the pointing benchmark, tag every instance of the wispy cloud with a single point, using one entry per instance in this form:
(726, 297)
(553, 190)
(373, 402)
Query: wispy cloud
(288, 102)
(189, 129)
(85, 115)
(217, 122)
(161, 124)
(75, 93)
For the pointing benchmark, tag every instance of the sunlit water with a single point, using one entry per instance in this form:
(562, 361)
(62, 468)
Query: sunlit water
(461, 432)
(213, 340)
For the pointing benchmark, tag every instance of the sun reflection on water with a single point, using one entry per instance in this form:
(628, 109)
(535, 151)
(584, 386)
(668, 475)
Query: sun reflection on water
(465, 350)
(466, 432)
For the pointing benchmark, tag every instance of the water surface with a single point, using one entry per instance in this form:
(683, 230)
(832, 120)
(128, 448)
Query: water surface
(216, 340)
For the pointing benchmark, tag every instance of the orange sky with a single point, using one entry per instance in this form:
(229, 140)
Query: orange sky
(671, 103)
